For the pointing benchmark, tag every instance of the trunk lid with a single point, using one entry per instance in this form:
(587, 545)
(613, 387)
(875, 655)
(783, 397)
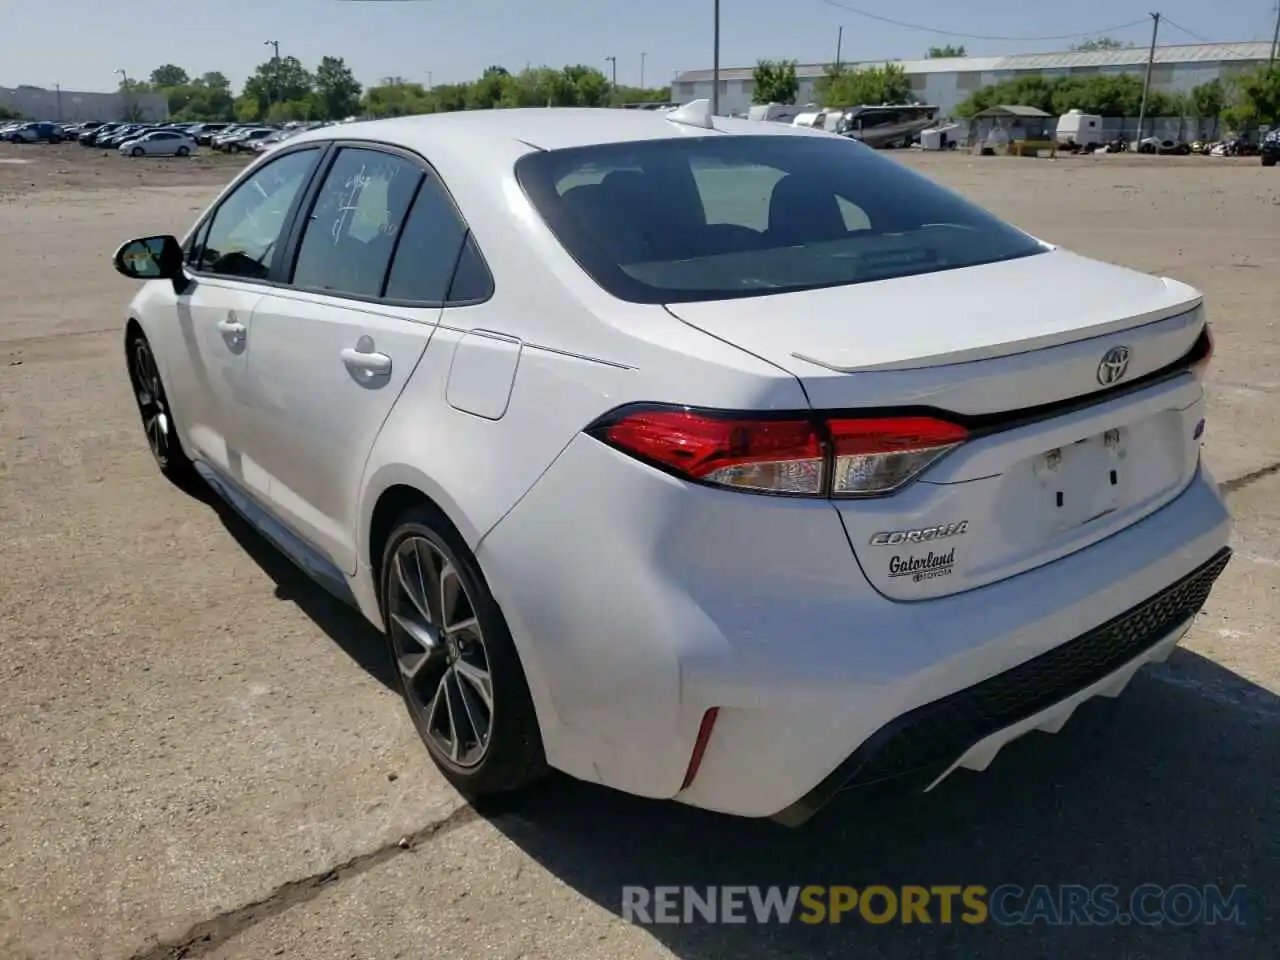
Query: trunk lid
(982, 346)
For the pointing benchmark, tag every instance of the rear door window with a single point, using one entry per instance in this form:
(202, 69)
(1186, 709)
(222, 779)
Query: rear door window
(356, 221)
(430, 247)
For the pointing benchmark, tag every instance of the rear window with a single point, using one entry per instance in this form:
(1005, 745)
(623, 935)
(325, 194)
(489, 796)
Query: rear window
(712, 218)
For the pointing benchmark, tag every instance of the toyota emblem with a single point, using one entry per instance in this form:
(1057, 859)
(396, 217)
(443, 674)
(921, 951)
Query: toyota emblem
(1114, 365)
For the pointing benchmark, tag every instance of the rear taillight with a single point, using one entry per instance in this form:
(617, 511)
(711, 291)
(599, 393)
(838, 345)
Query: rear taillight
(877, 456)
(794, 456)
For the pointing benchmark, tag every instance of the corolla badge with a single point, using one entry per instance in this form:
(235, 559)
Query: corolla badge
(1113, 366)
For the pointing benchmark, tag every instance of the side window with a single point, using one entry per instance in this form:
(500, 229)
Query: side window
(248, 224)
(352, 231)
(429, 245)
(472, 280)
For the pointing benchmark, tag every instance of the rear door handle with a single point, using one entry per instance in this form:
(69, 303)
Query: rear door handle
(377, 364)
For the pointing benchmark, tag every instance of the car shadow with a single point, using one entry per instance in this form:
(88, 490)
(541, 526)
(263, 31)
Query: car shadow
(1176, 782)
(342, 623)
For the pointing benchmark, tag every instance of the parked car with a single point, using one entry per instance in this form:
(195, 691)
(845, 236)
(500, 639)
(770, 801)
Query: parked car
(1269, 148)
(205, 132)
(159, 143)
(244, 141)
(643, 438)
(90, 138)
(38, 132)
(231, 132)
(267, 144)
(129, 132)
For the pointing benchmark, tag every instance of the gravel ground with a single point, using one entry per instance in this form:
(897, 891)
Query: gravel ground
(200, 755)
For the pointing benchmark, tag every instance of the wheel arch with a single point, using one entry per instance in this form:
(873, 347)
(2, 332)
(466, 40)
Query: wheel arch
(403, 488)
(390, 492)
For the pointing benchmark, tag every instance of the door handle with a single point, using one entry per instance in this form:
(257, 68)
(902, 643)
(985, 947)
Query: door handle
(375, 364)
(232, 329)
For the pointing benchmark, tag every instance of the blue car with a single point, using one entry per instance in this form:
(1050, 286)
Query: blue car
(35, 133)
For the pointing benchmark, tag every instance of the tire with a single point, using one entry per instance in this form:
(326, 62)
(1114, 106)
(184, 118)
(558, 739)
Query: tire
(156, 414)
(183, 151)
(1268, 161)
(137, 152)
(445, 673)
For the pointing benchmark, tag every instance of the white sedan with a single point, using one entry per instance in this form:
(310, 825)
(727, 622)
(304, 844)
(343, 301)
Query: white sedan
(159, 143)
(707, 459)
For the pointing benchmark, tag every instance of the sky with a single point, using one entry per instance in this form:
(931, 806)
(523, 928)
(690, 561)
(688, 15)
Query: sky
(80, 44)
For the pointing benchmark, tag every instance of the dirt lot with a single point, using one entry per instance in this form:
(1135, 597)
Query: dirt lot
(200, 755)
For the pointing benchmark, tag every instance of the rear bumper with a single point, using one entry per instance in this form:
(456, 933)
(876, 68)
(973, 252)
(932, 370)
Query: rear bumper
(638, 603)
(968, 728)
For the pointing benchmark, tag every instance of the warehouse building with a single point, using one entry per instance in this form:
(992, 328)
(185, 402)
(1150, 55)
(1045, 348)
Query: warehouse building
(72, 106)
(949, 82)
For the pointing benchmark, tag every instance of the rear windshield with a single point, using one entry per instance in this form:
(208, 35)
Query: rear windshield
(711, 218)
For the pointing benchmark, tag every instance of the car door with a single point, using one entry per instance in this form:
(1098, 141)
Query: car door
(229, 261)
(333, 350)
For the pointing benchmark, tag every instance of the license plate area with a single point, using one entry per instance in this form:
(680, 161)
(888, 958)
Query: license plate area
(1084, 481)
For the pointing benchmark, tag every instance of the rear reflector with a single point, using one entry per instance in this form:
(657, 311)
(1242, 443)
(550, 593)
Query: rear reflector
(700, 745)
(790, 456)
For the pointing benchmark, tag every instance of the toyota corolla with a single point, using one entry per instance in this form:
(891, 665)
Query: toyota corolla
(708, 459)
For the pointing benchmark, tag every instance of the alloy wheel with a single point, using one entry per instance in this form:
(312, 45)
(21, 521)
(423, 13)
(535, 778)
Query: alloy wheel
(152, 404)
(440, 651)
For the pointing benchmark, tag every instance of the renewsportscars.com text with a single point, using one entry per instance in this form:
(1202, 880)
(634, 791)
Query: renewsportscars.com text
(1007, 905)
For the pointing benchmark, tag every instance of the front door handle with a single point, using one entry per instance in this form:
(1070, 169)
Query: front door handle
(232, 329)
(374, 364)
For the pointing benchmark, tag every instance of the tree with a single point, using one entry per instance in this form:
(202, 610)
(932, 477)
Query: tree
(1254, 99)
(395, 98)
(775, 82)
(169, 75)
(1099, 43)
(944, 52)
(337, 92)
(486, 93)
(1208, 100)
(208, 98)
(871, 85)
(276, 81)
(593, 89)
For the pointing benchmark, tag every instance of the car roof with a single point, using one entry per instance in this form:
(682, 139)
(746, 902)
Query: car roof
(541, 128)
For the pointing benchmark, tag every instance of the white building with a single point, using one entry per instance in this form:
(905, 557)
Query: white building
(68, 106)
(948, 82)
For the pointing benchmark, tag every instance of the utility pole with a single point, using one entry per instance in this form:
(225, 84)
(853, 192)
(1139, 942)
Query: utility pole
(642, 59)
(839, 44)
(715, 63)
(124, 93)
(274, 94)
(57, 99)
(613, 82)
(1275, 39)
(1146, 83)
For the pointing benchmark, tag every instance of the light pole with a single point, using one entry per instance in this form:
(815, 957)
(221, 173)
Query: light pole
(613, 84)
(715, 62)
(124, 92)
(642, 59)
(275, 70)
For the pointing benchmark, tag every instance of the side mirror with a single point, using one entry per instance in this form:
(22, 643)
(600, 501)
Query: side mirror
(152, 258)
